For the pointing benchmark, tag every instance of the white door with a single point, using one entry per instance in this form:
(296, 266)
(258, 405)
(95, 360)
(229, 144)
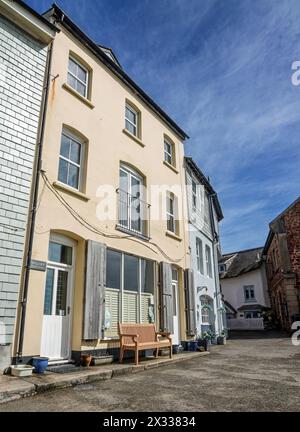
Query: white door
(55, 342)
(175, 335)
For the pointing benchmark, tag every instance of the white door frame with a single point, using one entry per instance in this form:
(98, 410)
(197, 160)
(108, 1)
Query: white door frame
(176, 302)
(58, 238)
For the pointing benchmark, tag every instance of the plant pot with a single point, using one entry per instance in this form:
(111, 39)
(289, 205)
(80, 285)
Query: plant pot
(175, 349)
(40, 364)
(86, 360)
(101, 360)
(221, 340)
(21, 370)
(207, 344)
(164, 352)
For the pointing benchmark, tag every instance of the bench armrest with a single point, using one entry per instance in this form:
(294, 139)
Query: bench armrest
(134, 336)
(166, 334)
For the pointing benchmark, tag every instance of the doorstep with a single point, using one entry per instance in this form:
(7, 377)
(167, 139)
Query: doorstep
(12, 388)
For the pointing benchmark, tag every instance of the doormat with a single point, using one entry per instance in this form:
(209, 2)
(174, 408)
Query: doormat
(66, 368)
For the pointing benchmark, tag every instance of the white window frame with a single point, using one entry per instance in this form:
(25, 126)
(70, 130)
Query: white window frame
(199, 255)
(136, 124)
(79, 141)
(248, 288)
(131, 173)
(171, 215)
(194, 195)
(85, 84)
(204, 302)
(208, 260)
(169, 154)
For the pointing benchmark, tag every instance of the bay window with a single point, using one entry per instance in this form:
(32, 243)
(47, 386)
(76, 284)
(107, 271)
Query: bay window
(129, 295)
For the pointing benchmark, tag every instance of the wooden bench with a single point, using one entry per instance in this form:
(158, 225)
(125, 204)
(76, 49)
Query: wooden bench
(139, 337)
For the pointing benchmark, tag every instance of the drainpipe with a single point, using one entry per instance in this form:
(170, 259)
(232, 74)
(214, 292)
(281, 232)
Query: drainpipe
(215, 240)
(33, 210)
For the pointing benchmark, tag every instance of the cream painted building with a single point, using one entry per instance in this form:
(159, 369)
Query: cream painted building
(110, 242)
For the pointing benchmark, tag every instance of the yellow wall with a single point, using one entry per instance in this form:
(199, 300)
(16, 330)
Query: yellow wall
(107, 146)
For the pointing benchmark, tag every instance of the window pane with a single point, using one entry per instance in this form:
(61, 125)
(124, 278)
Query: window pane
(75, 152)
(168, 148)
(170, 224)
(73, 179)
(130, 115)
(72, 81)
(131, 273)
(81, 74)
(81, 88)
(174, 274)
(174, 291)
(147, 276)
(130, 127)
(63, 171)
(170, 205)
(168, 158)
(65, 146)
(72, 66)
(113, 269)
(48, 292)
(61, 294)
(60, 253)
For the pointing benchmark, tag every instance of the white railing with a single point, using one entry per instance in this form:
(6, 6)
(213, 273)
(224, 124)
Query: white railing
(245, 324)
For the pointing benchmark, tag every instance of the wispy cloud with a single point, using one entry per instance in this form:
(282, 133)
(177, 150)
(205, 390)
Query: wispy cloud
(222, 69)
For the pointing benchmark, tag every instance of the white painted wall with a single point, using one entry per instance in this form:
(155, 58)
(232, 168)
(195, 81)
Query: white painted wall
(233, 288)
(199, 279)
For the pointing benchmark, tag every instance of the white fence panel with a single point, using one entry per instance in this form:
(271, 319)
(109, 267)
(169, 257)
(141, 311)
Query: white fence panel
(245, 324)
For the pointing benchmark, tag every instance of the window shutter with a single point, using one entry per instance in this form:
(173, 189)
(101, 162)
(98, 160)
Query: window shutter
(95, 278)
(191, 327)
(166, 301)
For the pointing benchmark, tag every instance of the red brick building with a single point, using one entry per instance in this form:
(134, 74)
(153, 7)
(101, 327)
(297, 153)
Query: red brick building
(282, 255)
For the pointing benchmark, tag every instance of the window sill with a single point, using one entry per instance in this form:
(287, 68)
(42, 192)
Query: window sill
(69, 190)
(136, 139)
(170, 166)
(173, 236)
(78, 95)
(132, 233)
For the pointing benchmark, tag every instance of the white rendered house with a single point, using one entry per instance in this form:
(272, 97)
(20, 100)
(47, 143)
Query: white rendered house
(204, 212)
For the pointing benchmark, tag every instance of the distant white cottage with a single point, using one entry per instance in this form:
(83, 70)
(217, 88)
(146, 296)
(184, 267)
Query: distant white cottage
(244, 286)
(204, 213)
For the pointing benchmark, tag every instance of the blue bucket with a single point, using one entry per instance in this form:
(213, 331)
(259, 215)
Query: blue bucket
(40, 364)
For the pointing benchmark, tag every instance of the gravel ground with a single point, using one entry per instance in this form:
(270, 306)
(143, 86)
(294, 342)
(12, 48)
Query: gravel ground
(253, 374)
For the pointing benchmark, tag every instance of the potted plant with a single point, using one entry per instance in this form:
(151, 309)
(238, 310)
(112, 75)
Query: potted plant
(86, 359)
(204, 341)
(221, 339)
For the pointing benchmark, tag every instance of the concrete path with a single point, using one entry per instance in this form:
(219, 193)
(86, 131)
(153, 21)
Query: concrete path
(245, 375)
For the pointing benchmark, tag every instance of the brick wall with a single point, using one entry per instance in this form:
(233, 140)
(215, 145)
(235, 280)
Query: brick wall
(292, 227)
(22, 66)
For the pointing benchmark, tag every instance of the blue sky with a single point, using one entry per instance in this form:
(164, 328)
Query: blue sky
(222, 70)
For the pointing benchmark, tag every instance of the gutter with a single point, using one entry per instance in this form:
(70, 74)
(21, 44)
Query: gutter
(34, 195)
(215, 240)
